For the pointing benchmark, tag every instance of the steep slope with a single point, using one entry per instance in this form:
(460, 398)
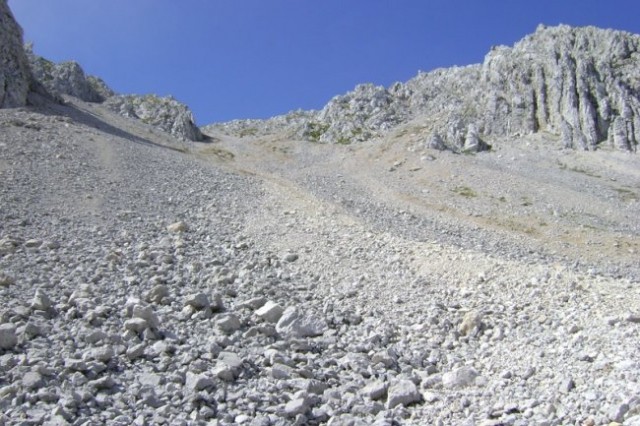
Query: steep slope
(146, 280)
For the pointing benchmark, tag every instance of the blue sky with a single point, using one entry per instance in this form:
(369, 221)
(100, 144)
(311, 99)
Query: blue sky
(230, 59)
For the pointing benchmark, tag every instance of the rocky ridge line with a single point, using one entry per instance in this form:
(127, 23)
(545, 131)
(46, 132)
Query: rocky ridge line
(580, 84)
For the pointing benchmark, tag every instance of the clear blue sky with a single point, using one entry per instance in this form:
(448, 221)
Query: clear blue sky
(231, 59)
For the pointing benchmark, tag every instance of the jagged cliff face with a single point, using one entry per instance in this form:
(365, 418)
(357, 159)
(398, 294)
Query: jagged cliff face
(15, 77)
(67, 78)
(22, 72)
(582, 84)
(163, 112)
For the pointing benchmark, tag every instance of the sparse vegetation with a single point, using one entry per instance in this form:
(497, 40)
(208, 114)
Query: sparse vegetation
(217, 152)
(248, 131)
(315, 130)
(627, 194)
(526, 202)
(465, 191)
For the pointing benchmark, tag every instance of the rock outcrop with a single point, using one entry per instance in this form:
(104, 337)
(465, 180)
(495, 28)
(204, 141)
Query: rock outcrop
(67, 78)
(15, 77)
(581, 84)
(166, 113)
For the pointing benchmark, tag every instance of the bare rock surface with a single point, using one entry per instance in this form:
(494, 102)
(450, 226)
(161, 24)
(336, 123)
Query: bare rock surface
(67, 78)
(578, 84)
(165, 113)
(15, 76)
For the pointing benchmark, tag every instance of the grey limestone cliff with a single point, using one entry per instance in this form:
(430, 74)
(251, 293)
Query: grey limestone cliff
(67, 78)
(166, 113)
(15, 77)
(581, 84)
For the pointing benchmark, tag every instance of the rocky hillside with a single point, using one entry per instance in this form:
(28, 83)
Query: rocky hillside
(68, 78)
(164, 113)
(15, 77)
(580, 84)
(22, 72)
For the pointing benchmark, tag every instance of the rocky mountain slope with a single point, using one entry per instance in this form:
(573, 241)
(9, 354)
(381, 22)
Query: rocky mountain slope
(22, 72)
(68, 78)
(259, 280)
(579, 84)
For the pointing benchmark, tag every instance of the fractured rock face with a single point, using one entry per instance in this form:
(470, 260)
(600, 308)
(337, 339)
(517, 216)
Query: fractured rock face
(581, 84)
(67, 78)
(165, 113)
(15, 77)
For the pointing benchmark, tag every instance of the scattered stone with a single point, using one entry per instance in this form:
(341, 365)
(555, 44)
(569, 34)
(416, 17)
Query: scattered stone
(197, 300)
(633, 318)
(617, 412)
(102, 354)
(224, 372)
(294, 323)
(41, 302)
(296, 407)
(402, 392)
(230, 359)
(136, 351)
(6, 280)
(228, 323)
(33, 243)
(270, 312)
(32, 380)
(567, 385)
(158, 293)
(460, 377)
(146, 313)
(471, 324)
(177, 227)
(198, 382)
(291, 257)
(375, 390)
(8, 338)
(137, 325)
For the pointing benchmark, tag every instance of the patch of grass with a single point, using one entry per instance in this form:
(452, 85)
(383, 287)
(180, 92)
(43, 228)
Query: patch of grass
(627, 194)
(516, 226)
(314, 131)
(248, 131)
(465, 191)
(502, 199)
(220, 153)
(343, 140)
(526, 202)
(584, 172)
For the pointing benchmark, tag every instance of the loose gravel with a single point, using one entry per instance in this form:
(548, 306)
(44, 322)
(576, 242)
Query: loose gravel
(147, 282)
